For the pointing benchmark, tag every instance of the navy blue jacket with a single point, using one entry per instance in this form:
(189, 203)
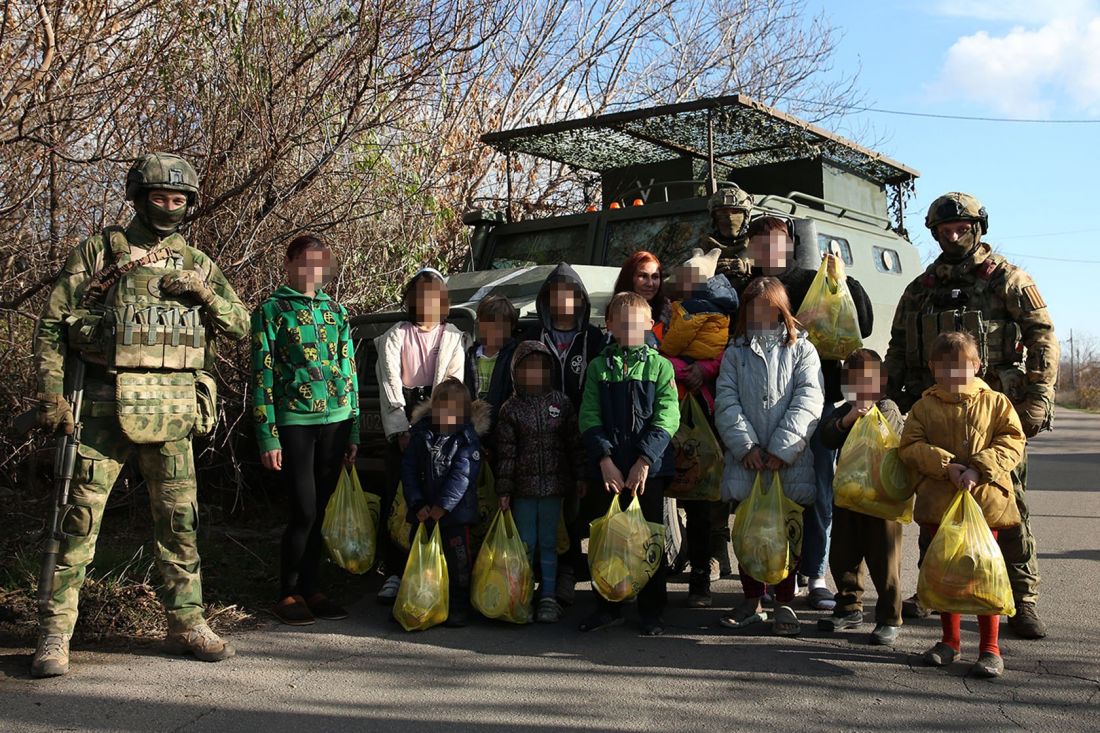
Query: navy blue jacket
(441, 470)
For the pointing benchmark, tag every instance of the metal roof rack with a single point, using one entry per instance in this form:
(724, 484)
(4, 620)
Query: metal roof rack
(731, 131)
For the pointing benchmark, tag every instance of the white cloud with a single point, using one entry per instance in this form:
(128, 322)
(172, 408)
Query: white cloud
(1028, 72)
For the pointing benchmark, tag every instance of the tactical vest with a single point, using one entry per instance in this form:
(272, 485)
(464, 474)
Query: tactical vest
(977, 303)
(137, 325)
(154, 343)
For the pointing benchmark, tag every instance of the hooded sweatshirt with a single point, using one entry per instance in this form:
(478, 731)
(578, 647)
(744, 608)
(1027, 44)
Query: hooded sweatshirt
(537, 440)
(584, 339)
(979, 428)
(303, 365)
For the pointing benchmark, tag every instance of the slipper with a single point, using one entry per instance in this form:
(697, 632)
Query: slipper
(786, 623)
(732, 622)
(821, 599)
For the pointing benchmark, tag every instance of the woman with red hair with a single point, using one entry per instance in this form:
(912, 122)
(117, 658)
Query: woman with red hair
(641, 273)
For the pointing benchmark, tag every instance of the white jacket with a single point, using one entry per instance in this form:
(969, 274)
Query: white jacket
(391, 397)
(770, 395)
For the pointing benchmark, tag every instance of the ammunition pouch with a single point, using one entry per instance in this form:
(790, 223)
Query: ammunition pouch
(998, 341)
(206, 404)
(155, 407)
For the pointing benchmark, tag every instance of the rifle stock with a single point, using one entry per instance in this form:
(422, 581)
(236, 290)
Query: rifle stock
(64, 467)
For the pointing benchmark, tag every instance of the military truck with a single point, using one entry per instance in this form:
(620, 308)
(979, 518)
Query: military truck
(656, 169)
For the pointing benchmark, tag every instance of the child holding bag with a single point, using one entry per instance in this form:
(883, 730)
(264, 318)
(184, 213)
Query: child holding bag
(962, 435)
(439, 472)
(413, 356)
(768, 400)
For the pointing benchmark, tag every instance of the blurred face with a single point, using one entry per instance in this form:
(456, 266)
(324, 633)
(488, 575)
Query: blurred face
(760, 315)
(690, 279)
(447, 414)
(771, 251)
(954, 372)
(493, 333)
(728, 222)
(429, 302)
(533, 375)
(629, 326)
(563, 302)
(309, 270)
(167, 199)
(647, 280)
(863, 384)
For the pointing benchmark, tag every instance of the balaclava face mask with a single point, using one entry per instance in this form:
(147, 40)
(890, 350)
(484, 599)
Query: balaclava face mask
(962, 247)
(161, 220)
(729, 222)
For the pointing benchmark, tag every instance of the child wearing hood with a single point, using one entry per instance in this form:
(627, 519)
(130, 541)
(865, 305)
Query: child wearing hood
(564, 326)
(538, 448)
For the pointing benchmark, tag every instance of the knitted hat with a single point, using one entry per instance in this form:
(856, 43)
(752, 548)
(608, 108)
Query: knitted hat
(705, 263)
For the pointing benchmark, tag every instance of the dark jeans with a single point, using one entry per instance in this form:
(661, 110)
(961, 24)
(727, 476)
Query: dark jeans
(312, 457)
(654, 596)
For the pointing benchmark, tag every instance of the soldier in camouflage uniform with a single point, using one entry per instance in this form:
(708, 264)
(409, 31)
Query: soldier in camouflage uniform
(141, 308)
(968, 288)
(730, 209)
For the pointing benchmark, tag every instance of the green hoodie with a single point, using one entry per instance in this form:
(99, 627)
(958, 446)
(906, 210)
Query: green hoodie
(303, 364)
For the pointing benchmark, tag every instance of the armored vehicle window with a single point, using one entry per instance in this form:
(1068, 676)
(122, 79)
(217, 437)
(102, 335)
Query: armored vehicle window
(830, 245)
(886, 260)
(547, 247)
(670, 238)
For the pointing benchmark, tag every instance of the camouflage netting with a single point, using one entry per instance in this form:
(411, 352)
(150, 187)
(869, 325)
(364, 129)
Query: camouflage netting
(746, 134)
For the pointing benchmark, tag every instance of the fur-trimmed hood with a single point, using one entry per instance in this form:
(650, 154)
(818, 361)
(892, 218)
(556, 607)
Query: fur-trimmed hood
(481, 415)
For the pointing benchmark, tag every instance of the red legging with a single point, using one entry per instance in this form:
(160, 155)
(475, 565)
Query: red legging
(988, 626)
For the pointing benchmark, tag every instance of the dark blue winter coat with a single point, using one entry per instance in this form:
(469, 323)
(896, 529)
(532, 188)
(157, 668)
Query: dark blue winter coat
(441, 470)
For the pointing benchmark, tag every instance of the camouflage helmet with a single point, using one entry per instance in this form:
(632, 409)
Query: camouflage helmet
(731, 197)
(162, 171)
(956, 206)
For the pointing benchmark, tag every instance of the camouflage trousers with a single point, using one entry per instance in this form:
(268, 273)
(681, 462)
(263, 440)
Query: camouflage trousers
(1017, 544)
(168, 469)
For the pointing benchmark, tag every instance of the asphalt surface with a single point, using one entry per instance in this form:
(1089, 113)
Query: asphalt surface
(366, 674)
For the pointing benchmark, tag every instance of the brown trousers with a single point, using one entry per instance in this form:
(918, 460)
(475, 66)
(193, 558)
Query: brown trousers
(857, 539)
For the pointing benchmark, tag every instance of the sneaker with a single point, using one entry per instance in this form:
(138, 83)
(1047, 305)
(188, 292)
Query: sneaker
(940, 655)
(911, 607)
(1026, 624)
(989, 665)
(200, 642)
(884, 635)
(323, 607)
(566, 590)
(840, 620)
(51, 656)
(715, 570)
(549, 611)
(293, 611)
(388, 593)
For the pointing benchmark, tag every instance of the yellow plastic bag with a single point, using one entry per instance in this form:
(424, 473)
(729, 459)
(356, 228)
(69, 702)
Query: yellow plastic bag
(487, 505)
(698, 456)
(767, 532)
(624, 551)
(502, 582)
(350, 526)
(828, 313)
(423, 598)
(398, 523)
(964, 570)
(869, 477)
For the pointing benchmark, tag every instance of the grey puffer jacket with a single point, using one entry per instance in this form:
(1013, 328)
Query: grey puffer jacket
(769, 394)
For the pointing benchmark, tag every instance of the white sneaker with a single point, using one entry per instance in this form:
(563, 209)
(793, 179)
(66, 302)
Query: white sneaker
(388, 593)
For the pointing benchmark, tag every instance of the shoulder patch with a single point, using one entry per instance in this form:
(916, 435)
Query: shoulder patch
(1030, 296)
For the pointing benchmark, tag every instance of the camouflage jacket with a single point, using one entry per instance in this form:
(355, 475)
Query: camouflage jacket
(1000, 305)
(227, 315)
(734, 262)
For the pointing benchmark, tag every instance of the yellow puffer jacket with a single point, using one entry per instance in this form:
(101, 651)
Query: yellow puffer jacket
(978, 428)
(699, 326)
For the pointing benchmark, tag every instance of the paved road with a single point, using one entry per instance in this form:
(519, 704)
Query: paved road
(365, 674)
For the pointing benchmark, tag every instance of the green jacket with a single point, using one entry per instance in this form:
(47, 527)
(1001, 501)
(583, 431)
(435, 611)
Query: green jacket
(630, 409)
(227, 315)
(304, 365)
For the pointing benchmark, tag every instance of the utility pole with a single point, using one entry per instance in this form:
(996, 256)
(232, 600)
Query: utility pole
(1072, 363)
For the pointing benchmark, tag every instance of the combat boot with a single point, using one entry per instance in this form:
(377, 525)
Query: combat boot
(51, 656)
(199, 641)
(1026, 624)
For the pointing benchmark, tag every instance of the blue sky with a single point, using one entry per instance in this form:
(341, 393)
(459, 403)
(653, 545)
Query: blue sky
(997, 59)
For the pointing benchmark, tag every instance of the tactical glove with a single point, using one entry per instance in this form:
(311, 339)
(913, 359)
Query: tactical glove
(188, 281)
(1035, 413)
(54, 413)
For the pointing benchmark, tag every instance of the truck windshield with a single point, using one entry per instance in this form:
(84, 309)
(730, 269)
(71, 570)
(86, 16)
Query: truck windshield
(547, 247)
(671, 238)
